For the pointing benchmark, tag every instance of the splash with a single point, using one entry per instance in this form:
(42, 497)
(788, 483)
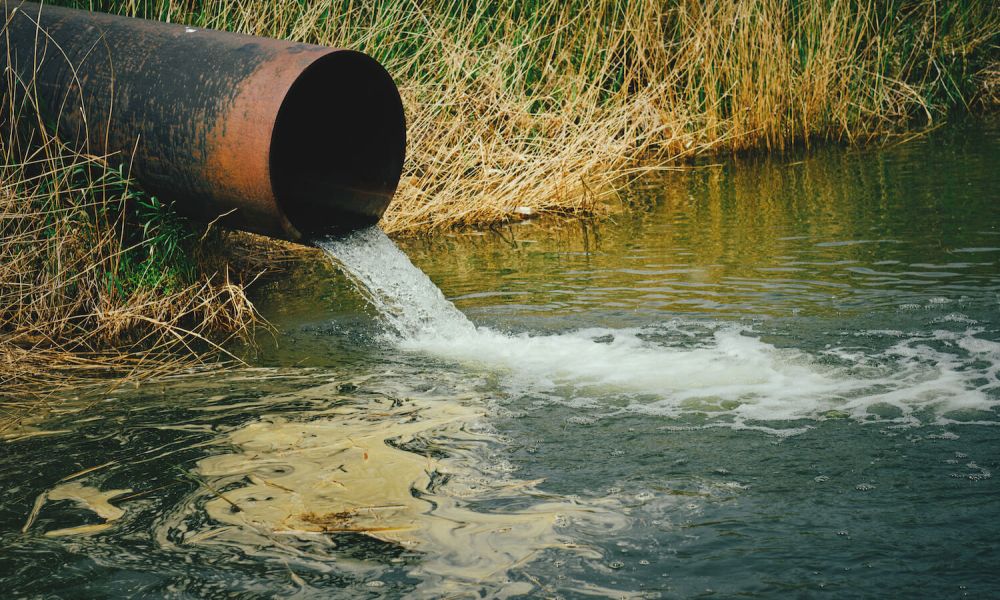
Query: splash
(677, 368)
(406, 299)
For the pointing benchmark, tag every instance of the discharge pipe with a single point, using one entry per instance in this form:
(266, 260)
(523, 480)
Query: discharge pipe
(284, 139)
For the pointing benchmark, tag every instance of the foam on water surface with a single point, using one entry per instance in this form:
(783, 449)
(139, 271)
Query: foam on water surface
(718, 369)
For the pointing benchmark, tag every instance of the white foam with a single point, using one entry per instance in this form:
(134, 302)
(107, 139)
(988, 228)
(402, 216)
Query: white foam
(728, 372)
(595, 361)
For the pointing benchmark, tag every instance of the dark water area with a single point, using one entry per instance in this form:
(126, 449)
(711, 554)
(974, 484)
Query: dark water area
(767, 378)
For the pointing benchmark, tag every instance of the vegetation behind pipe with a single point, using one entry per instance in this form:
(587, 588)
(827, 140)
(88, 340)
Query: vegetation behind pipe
(551, 105)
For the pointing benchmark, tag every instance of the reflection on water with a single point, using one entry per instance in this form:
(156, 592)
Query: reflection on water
(820, 234)
(770, 378)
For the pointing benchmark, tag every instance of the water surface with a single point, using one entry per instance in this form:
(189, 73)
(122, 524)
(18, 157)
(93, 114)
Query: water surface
(767, 377)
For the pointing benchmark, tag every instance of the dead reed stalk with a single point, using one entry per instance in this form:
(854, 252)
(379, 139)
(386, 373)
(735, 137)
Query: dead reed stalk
(97, 280)
(553, 105)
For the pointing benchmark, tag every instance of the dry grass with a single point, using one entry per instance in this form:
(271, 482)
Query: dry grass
(553, 105)
(988, 82)
(97, 283)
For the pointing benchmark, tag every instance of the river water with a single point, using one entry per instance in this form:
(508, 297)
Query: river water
(767, 377)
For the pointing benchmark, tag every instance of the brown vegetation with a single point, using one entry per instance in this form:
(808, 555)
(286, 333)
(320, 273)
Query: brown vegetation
(552, 105)
(98, 282)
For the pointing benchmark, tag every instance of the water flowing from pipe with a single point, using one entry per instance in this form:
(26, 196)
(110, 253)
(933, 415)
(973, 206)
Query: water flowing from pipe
(729, 372)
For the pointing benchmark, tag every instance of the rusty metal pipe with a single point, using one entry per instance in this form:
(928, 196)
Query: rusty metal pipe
(285, 139)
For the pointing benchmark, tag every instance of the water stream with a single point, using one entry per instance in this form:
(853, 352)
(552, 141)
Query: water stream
(769, 378)
(730, 371)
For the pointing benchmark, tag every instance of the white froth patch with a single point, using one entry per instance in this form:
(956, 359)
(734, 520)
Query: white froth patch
(732, 374)
(735, 366)
(735, 374)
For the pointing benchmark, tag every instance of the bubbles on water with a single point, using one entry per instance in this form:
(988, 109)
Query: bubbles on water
(724, 374)
(501, 466)
(956, 318)
(501, 412)
(880, 333)
(865, 487)
(978, 474)
(821, 478)
(734, 485)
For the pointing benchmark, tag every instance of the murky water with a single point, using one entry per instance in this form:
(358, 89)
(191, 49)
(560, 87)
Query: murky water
(770, 378)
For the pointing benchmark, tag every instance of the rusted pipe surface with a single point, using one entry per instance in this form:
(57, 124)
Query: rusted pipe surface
(285, 139)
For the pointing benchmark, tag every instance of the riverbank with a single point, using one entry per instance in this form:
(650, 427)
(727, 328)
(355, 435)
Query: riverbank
(534, 107)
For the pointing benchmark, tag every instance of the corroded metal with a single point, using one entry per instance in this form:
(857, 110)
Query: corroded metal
(284, 139)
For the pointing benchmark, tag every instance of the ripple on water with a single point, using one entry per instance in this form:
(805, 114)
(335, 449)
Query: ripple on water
(339, 475)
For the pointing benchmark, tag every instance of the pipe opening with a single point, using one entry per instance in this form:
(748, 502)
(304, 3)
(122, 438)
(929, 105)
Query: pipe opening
(338, 145)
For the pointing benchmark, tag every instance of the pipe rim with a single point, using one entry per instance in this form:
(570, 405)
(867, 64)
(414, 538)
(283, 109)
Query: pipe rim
(337, 146)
